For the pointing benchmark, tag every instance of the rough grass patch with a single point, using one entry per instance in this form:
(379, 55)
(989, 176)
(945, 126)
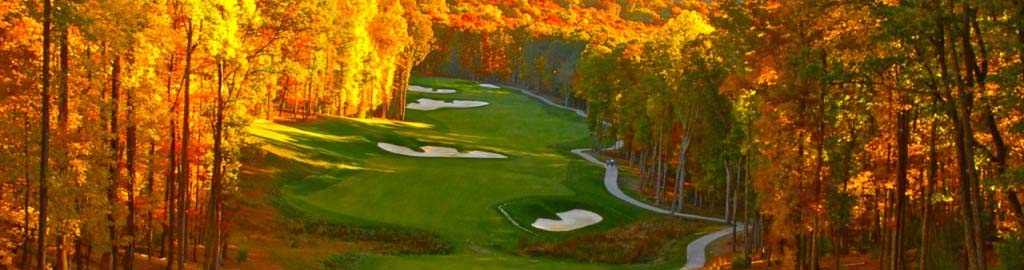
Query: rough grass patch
(405, 241)
(635, 243)
(342, 262)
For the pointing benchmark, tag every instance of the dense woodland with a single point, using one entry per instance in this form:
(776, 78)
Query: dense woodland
(827, 127)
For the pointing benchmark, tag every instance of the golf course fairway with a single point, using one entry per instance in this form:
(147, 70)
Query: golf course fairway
(333, 170)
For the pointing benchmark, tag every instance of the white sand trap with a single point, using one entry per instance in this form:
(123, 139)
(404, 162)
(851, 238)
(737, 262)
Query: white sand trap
(426, 104)
(487, 85)
(437, 151)
(570, 220)
(421, 89)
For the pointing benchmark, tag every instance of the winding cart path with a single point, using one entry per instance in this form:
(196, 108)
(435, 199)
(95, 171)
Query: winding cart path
(695, 251)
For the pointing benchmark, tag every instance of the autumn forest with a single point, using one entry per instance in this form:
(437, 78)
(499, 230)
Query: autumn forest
(525, 134)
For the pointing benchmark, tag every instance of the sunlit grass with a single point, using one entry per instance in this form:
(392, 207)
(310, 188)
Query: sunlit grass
(355, 182)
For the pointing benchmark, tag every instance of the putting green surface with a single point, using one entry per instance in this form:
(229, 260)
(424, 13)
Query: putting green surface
(355, 182)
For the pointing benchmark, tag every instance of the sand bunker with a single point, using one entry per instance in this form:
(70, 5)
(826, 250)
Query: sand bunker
(437, 151)
(487, 85)
(426, 104)
(570, 220)
(421, 89)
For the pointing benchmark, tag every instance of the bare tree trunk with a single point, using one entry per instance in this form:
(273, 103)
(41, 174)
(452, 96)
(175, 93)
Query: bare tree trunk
(747, 212)
(659, 191)
(27, 229)
(903, 140)
(183, 174)
(975, 77)
(62, 259)
(962, 155)
(282, 98)
(170, 183)
(684, 145)
(643, 170)
(270, 104)
(62, 126)
(116, 156)
(131, 152)
(739, 177)
(659, 183)
(62, 95)
(44, 146)
(80, 259)
(400, 85)
(193, 196)
(728, 188)
(151, 178)
(309, 99)
(933, 168)
(213, 240)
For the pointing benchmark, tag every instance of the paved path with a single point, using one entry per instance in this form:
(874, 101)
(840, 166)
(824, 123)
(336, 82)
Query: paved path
(695, 251)
(611, 184)
(547, 101)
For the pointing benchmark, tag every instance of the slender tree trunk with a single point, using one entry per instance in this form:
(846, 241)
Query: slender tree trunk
(62, 259)
(747, 212)
(933, 169)
(213, 240)
(193, 196)
(643, 170)
(952, 112)
(974, 76)
(131, 148)
(150, 198)
(282, 98)
(309, 97)
(27, 229)
(170, 189)
(965, 152)
(728, 188)
(183, 174)
(270, 103)
(62, 96)
(659, 183)
(62, 126)
(88, 254)
(902, 164)
(116, 155)
(80, 259)
(684, 145)
(837, 238)
(818, 180)
(403, 83)
(44, 145)
(734, 197)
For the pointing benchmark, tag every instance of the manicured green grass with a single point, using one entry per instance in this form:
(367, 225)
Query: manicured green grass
(337, 173)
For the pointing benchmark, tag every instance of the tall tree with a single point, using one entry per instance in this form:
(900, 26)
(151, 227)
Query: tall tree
(44, 149)
(114, 160)
(183, 173)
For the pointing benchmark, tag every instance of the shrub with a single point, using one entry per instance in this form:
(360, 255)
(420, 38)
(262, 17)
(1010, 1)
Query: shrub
(944, 247)
(740, 262)
(1011, 252)
(243, 255)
